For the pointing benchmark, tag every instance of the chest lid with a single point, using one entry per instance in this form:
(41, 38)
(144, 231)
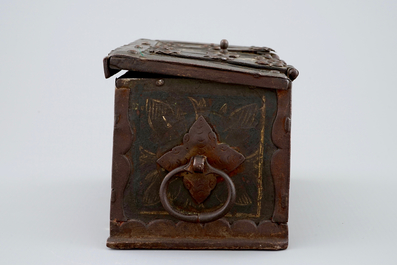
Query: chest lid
(254, 66)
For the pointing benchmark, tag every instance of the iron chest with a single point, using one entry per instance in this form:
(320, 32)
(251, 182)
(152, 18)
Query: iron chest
(201, 152)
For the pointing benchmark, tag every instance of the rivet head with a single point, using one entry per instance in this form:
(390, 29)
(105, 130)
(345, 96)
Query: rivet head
(292, 73)
(160, 82)
(224, 44)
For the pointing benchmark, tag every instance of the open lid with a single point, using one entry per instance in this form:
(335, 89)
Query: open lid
(254, 66)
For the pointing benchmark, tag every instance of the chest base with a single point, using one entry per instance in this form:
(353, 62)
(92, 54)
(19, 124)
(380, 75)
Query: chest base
(165, 234)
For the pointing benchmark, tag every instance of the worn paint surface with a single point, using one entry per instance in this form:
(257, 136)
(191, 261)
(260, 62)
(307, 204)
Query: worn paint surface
(243, 95)
(161, 117)
(256, 66)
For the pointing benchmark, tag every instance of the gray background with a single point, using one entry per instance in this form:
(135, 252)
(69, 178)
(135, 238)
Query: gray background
(57, 117)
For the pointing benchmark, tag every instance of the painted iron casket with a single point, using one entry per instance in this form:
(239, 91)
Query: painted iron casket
(201, 152)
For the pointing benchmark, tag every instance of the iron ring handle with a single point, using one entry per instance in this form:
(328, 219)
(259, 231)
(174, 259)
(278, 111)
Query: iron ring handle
(199, 217)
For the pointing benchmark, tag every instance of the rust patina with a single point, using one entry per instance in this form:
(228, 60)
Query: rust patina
(201, 152)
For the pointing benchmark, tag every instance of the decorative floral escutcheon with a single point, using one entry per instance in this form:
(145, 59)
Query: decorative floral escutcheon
(201, 140)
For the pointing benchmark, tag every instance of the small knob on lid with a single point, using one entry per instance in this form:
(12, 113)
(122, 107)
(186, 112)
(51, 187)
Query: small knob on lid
(224, 44)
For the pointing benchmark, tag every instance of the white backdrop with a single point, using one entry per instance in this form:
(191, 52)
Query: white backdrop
(56, 120)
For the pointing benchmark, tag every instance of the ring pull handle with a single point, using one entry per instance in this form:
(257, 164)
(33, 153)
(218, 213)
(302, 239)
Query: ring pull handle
(198, 164)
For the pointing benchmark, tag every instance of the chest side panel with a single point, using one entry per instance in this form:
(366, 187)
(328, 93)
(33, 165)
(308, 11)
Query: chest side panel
(160, 116)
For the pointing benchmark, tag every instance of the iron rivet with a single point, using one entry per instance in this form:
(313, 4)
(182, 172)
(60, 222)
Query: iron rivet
(292, 73)
(160, 82)
(287, 125)
(224, 44)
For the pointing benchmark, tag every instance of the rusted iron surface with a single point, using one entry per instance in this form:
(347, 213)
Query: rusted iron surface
(122, 140)
(280, 163)
(201, 156)
(239, 65)
(199, 146)
(199, 186)
(165, 234)
(160, 117)
(201, 140)
(177, 67)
